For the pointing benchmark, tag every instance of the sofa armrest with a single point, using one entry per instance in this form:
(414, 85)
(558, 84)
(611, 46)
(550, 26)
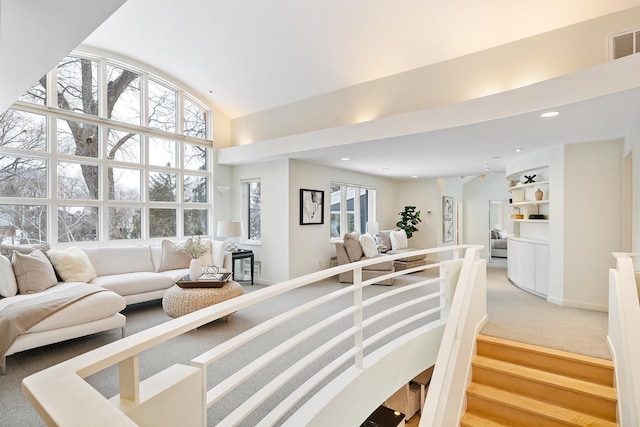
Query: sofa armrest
(228, 261)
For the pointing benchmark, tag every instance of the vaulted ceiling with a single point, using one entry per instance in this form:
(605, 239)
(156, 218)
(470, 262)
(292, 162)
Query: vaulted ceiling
(247, 57)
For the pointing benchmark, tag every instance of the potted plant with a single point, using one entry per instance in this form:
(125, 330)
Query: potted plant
(195, 249)
(409, 219)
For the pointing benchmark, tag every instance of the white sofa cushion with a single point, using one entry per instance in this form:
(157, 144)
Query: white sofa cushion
(93, 307)
(34, 272)
(8, 284)
(207, 258)
(399, 239)
(116, 260)
(72, 264)
(135, 283)
(369, 247)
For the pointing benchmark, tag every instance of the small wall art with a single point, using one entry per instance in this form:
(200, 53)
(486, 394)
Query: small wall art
(447, 207)
(311, 206)
(447, 231)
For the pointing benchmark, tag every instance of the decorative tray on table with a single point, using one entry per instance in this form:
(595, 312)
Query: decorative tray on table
(216, 280)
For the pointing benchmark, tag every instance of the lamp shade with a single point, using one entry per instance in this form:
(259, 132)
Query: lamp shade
(373, 228)
(229, 229)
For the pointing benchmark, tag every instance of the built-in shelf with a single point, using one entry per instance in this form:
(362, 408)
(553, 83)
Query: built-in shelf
(529, 202)
(531, 220)
(533, 184)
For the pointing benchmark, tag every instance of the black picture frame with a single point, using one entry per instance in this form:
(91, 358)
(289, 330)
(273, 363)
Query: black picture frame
(311, 206)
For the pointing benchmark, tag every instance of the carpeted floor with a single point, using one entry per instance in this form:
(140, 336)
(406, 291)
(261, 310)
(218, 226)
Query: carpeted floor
(513, 314)
(517, 315)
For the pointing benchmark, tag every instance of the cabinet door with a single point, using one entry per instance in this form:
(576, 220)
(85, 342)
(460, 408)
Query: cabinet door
(542, 269)
(527, 259)
(513, 247)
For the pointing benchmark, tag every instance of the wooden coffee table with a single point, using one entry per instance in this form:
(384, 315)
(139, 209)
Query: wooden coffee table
(179, 301)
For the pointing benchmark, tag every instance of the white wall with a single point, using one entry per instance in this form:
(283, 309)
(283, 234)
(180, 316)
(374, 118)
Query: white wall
(423, 194)
(274, 252)
(592, 202)
(310, 248)
(632, 145)
(477, 194)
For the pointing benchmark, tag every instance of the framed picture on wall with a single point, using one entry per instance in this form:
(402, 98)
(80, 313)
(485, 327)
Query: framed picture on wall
(447, 231)
(311, 206)
(447, 207)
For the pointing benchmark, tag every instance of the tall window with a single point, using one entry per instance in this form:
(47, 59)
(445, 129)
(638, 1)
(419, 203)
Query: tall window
(351, 207)
(252, 210)
(98, 151)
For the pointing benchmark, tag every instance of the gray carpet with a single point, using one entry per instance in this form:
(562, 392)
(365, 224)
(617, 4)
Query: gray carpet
(517, 315)
(504, 321)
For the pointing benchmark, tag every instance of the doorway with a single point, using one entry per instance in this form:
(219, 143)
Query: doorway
(500, 227)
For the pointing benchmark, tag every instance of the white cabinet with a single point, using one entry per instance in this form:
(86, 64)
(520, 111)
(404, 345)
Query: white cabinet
(528, 265)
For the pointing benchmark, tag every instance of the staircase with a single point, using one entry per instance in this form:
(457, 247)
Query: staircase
(516, 384)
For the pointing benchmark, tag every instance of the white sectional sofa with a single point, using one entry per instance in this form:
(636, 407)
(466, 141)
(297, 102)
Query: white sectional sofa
(119, 275)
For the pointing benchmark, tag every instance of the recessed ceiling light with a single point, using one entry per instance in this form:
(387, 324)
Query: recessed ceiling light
(517, 150)
(345, 158)
(414, 176)
(549, 114)
(385, 169)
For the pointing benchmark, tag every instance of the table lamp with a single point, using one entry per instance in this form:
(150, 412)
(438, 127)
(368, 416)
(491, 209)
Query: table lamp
(230, 229)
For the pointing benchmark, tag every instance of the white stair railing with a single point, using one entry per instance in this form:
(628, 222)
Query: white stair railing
(181, 392)
(624, 321)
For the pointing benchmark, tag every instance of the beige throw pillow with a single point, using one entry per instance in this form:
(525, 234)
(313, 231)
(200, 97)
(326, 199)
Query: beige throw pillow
(172, 257)
(369, 247)
(72, 265)
(34, 272)
(399, 240)
(352, 246)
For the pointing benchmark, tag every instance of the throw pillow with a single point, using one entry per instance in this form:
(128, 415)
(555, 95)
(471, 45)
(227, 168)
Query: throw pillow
(502, 234)
(172, 257)
(34, 272)
(399, 240)
(8, 284)
(369, 246)
(217, 246)
(72, 265)
(352, 246)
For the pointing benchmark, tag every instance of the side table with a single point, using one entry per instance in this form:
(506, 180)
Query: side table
(241, 254)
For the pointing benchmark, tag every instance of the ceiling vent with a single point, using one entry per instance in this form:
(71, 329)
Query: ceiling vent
(624, 44)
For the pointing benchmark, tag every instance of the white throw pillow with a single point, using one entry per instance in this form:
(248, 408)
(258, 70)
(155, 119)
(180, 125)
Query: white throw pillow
(369, 246)
(399, 240)
(72, 264)
(8, 284)
(503, 234)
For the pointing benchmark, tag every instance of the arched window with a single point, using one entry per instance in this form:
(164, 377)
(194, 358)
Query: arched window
(100, 151)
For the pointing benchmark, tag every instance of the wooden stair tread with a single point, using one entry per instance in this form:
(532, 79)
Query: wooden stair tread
(548, 378)
(594, 361)
(474, 420)
(537, 407)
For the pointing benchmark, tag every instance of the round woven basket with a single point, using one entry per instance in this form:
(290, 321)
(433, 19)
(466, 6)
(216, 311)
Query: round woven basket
(179, 301)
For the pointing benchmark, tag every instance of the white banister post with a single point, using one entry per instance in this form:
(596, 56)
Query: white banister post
(129, 378)
(357, 317)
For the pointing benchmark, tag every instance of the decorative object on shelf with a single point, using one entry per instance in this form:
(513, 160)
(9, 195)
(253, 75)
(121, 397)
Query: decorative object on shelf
(230, 229)
(536, 216)
(409, 219)
(447, 207)
(512, 183)
(529, 179)
(539, 194)
(311, 207)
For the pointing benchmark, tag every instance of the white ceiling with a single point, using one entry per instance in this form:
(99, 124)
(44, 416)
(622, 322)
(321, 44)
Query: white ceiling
(248, 56)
